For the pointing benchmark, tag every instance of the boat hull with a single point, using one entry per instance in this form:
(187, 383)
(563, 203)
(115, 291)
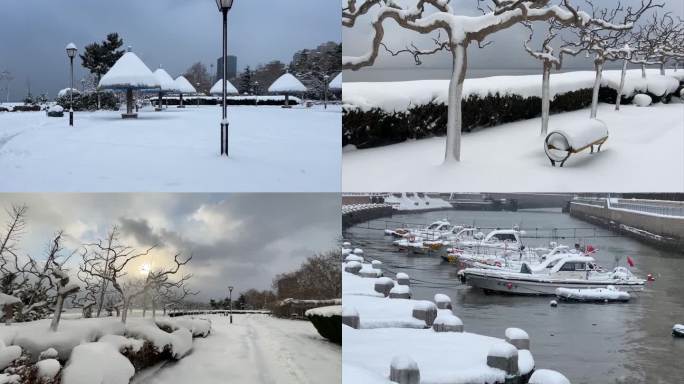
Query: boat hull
(517, 286)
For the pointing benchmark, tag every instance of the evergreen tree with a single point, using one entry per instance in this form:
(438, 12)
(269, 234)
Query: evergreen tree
(245, 81)
(99, 58)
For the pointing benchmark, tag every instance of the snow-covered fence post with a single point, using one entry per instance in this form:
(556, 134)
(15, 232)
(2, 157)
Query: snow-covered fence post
(443, 301)
(461, 31)
(446, 321)
(426, 311)
(518, 338)
(350, 317)
(383, 285)
(400, 292)
(353, 267)
(403, 279)
(503, 356)
(404, 370)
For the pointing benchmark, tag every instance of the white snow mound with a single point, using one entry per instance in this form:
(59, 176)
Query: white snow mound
(287, 83)
(547, 376)
(97, 363)
(129, 72)
(642, 100)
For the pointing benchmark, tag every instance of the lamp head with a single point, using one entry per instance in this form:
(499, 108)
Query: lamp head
(224, 5)
(71, 50)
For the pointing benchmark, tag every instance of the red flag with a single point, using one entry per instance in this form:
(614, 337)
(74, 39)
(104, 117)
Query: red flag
(630, 261)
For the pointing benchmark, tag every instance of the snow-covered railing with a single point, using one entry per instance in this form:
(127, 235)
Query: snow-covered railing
(361, 207)
(653, 207)
(225, 312)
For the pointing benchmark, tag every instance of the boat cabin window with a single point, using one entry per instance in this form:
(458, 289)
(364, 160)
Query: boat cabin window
(433, 226)
(504, 236)
(573, 267)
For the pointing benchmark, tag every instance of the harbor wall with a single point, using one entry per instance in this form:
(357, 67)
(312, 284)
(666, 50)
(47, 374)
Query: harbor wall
(366, 214)
(660, 231)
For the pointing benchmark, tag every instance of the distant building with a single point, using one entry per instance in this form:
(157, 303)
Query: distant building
(232, 67)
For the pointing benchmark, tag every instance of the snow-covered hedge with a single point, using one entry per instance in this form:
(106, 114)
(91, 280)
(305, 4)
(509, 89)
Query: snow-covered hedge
(231, 100)
(376, 114)
(88, 101)
(328, 322)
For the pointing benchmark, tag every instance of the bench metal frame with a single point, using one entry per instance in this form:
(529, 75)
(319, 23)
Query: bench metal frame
(570, 151)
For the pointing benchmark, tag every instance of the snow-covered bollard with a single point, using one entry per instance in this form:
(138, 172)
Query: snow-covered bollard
(384, 285)
(358, 251)
(447, 322)
(443, 301)
(354, 258)
(400, 292)
(367, 270)
(404, 370)
(519, 338)
(346, 244)
(553, 303)
(403, 279)
(425, 310)
(350, 317)
(353, 267)
(346, 251)
(547, 376)
(376, 263)
(642, 100)
(678, 330)
(503, 356)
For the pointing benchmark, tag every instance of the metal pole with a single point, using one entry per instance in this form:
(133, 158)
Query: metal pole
(230, 299)
(71, 94)
(224, 121)
(325, 102)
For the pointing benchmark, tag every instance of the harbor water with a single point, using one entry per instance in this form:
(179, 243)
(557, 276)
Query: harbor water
(589, 343)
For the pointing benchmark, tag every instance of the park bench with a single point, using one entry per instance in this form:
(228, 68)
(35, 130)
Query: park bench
(561, 143)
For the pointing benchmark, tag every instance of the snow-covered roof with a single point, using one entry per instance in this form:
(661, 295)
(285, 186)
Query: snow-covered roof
(336, 83)
(217, 89)
(129, 72)
(165, 80)
(184, 86)
(287, 83)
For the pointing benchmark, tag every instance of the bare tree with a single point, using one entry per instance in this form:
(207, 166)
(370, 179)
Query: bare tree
(461, 32)
(7, 77)
(108, 261)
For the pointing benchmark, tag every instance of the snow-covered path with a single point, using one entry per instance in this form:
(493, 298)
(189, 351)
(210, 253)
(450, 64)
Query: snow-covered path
(645, 151)
(255, 349)
(177, 150)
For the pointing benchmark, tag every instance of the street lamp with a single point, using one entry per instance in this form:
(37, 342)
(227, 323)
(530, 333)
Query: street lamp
(82, 85)
(224, 6)
(325, 92)
(71, 52)
(230, 300)
(256, 93)
(198, 86)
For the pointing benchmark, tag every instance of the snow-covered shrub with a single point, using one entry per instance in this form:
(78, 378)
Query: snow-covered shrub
(642, 100)
(327, 321)
(198, 327)
(97, 363)
(88, 101)
(366, 128)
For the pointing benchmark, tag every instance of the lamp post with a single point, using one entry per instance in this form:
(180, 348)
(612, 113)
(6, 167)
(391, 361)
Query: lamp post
(224, 6)
(82, 85)
(325, 92)
(71, 52)
(198, 86)
(256, 93)
(230, 300)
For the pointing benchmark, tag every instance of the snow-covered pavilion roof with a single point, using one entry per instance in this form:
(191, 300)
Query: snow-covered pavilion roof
(129, 72)
(336, 83)
(287, 83)
(184, 86)
(165, 80)
(217, 88)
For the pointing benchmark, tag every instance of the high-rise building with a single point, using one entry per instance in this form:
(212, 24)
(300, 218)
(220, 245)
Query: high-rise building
(232, 67)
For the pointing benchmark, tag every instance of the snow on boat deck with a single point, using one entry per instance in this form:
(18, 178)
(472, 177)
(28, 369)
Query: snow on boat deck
(272, 149)
(644, 149)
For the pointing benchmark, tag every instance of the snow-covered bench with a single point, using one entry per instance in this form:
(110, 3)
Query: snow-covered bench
(565, 141)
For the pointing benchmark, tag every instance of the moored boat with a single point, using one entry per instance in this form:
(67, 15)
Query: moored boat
(573, 271)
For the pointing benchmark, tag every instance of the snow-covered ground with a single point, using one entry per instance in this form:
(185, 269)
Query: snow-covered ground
(272, 149)
(644, 151)
(255, 349)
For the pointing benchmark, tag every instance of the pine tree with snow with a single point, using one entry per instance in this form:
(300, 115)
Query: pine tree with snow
(245, 81)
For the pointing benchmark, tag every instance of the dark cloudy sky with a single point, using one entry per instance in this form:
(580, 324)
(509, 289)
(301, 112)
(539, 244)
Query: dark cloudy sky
(242, 240)
(174, 33)
(506, 52)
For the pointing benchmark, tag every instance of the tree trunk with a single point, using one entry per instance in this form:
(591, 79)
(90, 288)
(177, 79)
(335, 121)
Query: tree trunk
(124, 312)
(104, 281)
(129, 101)
(98, 92)
(622, 86)
(455, 115)
(58, 313)
(546, 98)
(662, 69)
(643, 71)
(154, 309)
(597, 85)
